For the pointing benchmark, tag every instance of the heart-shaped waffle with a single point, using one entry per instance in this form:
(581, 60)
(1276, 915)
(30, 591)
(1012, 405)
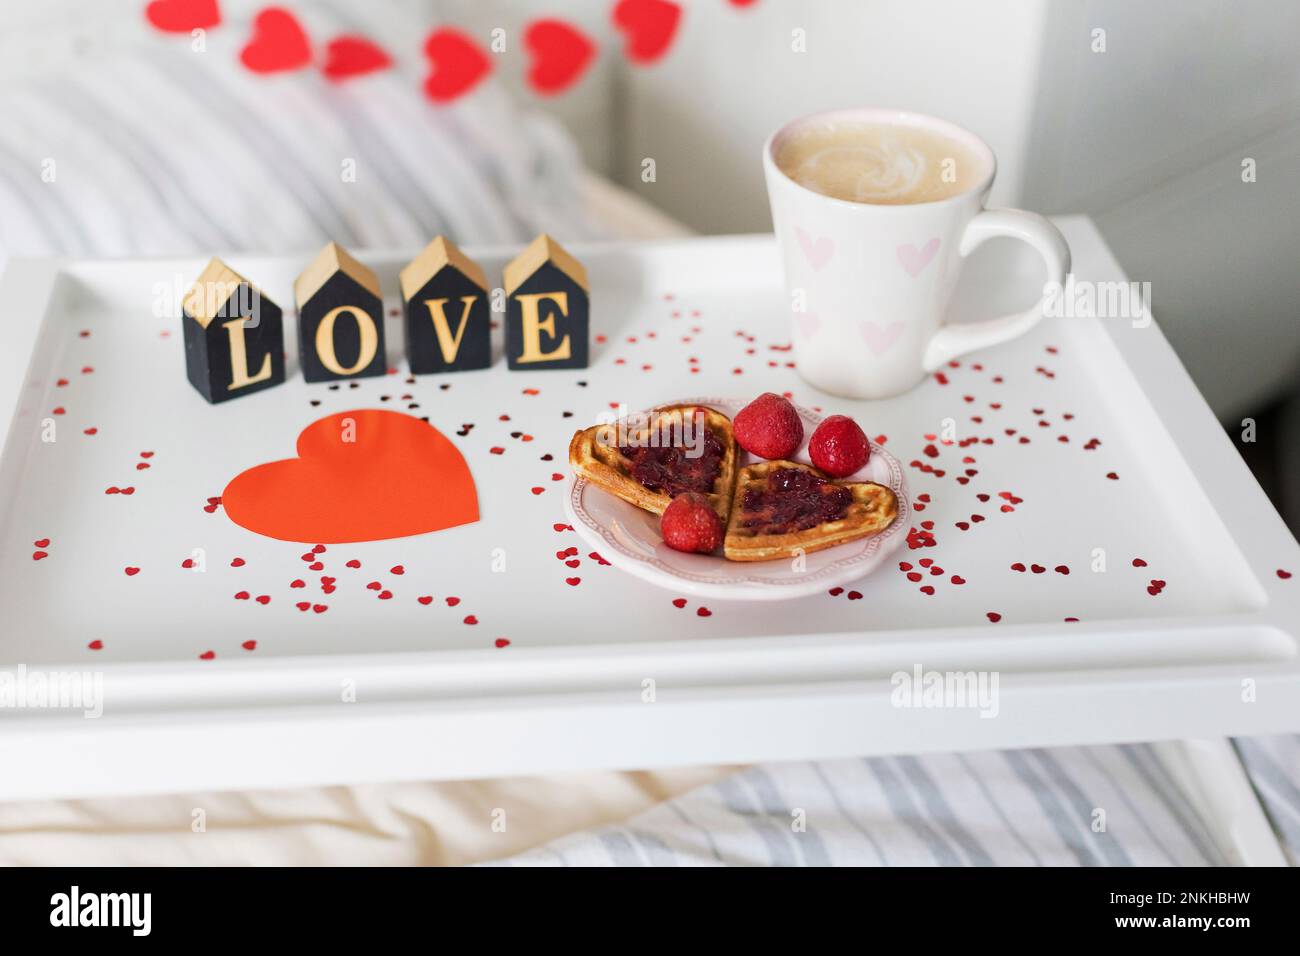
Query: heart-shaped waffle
(782, 509)
(649, 460)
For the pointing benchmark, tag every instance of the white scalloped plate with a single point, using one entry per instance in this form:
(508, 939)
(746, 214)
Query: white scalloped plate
(629, 536)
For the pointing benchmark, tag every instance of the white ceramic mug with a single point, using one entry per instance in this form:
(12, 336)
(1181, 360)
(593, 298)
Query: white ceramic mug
(870, 285)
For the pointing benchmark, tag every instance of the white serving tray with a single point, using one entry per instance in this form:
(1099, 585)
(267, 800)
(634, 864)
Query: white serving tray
(395, 689)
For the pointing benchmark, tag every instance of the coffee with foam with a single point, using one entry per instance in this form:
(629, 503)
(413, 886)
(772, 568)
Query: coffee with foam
(878, 163)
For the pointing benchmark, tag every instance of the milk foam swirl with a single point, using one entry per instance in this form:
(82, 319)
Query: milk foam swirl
(878, 163)
(885, 170)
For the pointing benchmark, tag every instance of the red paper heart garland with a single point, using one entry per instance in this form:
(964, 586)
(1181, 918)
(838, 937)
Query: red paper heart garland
(182, 16)
(458, 62)
(559, 52)
(349, 56)
(649, 26)
(279, 43)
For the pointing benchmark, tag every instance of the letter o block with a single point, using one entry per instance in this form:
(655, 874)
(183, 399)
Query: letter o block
(340, 318)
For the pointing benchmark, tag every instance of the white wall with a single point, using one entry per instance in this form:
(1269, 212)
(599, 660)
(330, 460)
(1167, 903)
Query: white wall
(732, 77)
(1147, 137)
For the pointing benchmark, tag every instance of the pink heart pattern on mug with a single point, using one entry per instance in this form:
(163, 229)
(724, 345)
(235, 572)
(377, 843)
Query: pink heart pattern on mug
(818, 251)
(880, 338)
(807, 323)
(914, 259)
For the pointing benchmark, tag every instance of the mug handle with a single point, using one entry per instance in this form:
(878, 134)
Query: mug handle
(953, 340)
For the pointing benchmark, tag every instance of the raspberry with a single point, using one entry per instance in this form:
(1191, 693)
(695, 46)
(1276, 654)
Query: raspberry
(689, 523)
(768, 427)
(838, 446)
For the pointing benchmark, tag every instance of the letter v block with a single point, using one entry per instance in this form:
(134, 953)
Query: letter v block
(448, 325)
(340, 318)
(234, 335)
(547, 316)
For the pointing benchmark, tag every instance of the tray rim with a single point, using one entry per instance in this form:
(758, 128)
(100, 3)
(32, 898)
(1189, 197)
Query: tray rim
(1253, 524)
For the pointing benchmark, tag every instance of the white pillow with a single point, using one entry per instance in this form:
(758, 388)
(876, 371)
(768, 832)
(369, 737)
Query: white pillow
(116, 139)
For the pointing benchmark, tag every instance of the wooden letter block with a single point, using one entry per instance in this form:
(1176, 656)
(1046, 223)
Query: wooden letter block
(340, 318)
(547, 317)
(448, 322)
(234, 335)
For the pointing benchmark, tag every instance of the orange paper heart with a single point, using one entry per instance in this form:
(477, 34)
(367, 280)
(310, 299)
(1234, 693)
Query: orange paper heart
(363, 475)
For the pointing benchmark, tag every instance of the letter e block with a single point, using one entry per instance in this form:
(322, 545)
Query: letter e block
(547, 313)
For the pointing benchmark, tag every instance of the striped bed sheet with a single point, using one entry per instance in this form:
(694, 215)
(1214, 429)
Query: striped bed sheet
(1072, 806)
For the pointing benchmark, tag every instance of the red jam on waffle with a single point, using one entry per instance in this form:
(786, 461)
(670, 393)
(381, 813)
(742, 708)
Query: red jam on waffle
(673, 469)
(793, 500)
